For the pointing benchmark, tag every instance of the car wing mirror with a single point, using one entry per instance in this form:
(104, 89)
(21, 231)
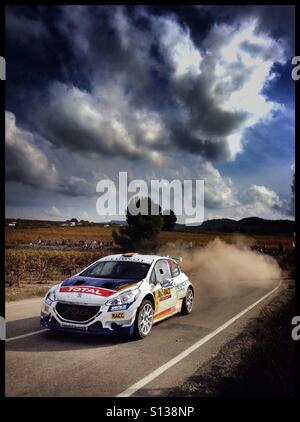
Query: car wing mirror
(167, 282)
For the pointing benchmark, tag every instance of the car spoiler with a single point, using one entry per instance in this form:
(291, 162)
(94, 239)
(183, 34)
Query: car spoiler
(176, 258)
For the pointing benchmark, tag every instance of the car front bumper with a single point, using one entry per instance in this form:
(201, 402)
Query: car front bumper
(105, 321)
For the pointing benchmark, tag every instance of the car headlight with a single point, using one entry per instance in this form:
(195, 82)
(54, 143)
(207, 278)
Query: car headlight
(50, 297)
(124, 298)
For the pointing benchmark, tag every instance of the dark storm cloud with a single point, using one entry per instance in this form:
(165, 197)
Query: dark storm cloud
(24, 160)
(198, 145)
(124, 50)
(112, 49)
(25, 30)
(113, 84)
(205, 113)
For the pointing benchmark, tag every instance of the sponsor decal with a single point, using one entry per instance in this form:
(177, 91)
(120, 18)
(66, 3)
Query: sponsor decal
(117, 308)
(160, 292)
(73, 326)
(163, 294)
(164, 297)
(156, 300)
(126, 258)
(91, 290)
(180, 286)
(118, 315)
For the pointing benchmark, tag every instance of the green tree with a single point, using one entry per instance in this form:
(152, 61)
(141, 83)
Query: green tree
(141, 232)
(170, 219)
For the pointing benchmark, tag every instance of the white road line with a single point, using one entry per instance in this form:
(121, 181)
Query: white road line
(26, 335)
(148, 378)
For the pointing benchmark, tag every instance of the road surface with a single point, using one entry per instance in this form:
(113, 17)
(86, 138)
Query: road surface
(44, 363)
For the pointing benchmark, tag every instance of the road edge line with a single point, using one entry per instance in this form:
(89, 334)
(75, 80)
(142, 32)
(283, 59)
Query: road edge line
(32, 333)
(150, 377)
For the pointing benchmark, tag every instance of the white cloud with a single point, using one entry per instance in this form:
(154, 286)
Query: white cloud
(53, 212)
(225, 81)
(184, 57)
(264, 196)
(243, 62)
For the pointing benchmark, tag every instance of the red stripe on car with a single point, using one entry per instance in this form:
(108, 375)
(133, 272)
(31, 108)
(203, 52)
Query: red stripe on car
(166, 311)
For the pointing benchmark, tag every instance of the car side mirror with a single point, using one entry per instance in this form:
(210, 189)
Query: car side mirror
(167, 282)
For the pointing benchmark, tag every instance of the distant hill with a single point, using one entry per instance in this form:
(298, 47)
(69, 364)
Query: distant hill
(248, 225)
(253, 225)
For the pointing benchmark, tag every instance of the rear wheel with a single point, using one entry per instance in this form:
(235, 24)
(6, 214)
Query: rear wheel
(187, 304)
(144, 320)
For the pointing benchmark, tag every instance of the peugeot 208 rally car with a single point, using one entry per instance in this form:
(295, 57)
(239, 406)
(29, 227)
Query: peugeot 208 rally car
(119, 293)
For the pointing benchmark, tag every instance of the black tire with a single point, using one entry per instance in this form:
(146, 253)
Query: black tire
(138, 331)
(186, 305)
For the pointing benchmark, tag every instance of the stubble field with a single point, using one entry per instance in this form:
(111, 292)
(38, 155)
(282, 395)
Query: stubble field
(30, 269)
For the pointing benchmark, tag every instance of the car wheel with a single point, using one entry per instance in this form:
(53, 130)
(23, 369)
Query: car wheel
(187, 304)
(144, 319)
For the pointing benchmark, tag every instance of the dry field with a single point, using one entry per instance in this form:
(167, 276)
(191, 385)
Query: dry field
(29, 271)
(74, 234)
(100, 233)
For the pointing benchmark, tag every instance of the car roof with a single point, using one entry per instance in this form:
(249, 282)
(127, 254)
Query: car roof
(133, 257)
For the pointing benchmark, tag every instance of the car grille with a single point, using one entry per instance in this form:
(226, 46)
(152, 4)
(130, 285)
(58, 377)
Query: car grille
(79, 313)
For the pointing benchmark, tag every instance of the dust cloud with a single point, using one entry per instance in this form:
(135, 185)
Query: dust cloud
(221, 267)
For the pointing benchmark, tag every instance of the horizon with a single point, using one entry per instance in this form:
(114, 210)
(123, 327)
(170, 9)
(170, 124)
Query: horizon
(115, 221)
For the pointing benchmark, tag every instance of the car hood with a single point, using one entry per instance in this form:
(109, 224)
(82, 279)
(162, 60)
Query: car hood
(90, 290)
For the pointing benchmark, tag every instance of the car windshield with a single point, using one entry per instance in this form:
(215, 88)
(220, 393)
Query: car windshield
(117, 269)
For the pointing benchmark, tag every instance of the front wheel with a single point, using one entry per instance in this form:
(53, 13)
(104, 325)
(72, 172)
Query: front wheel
(144, 320)
(187, 304)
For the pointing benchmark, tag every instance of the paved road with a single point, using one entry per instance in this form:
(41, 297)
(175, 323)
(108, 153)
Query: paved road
(56, 364)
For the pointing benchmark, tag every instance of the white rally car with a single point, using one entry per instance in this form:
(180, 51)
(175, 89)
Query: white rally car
(119, 293)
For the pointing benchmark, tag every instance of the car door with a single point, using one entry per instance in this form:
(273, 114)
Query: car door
(179, 280)
(165, 295)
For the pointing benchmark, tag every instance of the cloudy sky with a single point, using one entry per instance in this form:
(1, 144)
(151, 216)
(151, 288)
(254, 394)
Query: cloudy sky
(188, 92)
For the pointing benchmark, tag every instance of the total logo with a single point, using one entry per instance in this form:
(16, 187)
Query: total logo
(91, 290)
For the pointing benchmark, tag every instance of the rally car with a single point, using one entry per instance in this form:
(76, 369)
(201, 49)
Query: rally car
(123, 293)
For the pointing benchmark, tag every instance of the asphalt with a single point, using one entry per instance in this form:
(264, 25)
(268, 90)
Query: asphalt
(59, 364)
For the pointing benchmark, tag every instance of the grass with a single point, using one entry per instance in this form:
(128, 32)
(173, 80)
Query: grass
(27, 291)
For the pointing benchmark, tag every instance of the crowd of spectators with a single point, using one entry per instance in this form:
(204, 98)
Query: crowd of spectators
(69, 244)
